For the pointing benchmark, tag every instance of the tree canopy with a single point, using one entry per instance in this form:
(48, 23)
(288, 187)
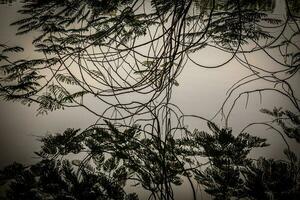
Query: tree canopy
(92, 52)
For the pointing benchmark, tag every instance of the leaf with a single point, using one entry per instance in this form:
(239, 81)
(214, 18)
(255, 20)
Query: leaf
(175, 83)
(68, 79)
(213, 127)
(110, 164)
(177, 180)
(147, 63)
(141, 71)
(290, 155)
(13, 49)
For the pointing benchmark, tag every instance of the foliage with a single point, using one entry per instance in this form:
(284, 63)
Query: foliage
(287, 120)
(273, 179)
(54, 179)
(109, 50)
(114, 158)
(233, 175)
(122, 155)
(91, 45)
(228, 156)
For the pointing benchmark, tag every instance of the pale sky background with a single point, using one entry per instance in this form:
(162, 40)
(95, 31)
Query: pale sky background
(201, 92)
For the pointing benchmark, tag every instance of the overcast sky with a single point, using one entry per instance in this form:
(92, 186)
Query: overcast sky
(200, 92)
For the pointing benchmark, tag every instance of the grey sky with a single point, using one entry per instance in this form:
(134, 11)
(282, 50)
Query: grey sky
(200, 92)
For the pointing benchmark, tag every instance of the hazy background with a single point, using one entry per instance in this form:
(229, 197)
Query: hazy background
(200, 92)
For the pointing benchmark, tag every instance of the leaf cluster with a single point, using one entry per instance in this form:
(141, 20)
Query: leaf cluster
(287, 120)
(49, 179)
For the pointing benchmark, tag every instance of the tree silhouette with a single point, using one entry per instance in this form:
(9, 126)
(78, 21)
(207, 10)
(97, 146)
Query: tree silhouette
(102, 51)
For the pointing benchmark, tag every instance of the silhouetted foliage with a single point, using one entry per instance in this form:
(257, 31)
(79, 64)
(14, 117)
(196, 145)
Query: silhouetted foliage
(273, 179)
(95, 49)
(232, 174)
(98, 37)
(227, 155)
(114, 158)
(287, 120)
(49, 179)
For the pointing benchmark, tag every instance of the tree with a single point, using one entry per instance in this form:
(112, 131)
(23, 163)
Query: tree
(103, 51)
